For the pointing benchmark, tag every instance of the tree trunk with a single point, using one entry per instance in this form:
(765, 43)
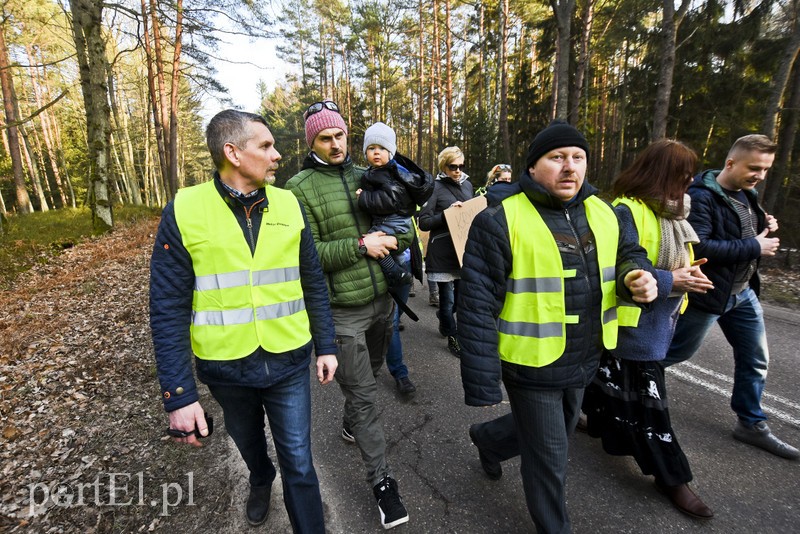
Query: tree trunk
(563, 10)
(24, 204)
(781, 78)
(779, 175)
(162, 100)
(421, 95)
(670, 23)
(87, 19)
(449, 69)
(154, 101)
(505, 141)
(125, 163)
(587, 20)
(174, 184)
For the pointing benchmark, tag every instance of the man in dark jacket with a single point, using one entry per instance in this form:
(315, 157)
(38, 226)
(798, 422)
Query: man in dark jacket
(541, 275)
(733, 232)
(235, 279)
(362, 309)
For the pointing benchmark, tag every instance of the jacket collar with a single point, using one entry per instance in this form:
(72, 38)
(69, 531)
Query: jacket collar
(539, 195)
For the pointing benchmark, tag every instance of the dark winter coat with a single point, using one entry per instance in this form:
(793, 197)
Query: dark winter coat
(394, 189)
(719, 228)
(171, 287)
(441, 254)
(487, 265)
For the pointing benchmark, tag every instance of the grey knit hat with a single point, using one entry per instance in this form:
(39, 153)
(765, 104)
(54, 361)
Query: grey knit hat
(558, 134)
(380, 134)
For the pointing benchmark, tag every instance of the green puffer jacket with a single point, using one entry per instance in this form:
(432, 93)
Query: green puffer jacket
(328, 194)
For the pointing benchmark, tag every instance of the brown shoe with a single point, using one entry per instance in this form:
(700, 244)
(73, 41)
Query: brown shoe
(685, 500)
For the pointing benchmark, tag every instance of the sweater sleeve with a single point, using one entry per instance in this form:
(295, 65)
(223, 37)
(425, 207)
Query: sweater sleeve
(171, 287)
(315, 292)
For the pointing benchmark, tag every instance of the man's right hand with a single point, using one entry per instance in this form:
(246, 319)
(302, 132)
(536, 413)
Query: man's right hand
(769, 245)
(379, 244)
(187, 419)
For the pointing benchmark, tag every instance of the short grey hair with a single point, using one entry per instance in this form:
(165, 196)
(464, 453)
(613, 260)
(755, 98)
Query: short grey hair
(229, 126)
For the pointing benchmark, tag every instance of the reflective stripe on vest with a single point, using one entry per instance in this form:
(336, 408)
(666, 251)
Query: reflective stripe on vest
(532, 324)
(243, 300)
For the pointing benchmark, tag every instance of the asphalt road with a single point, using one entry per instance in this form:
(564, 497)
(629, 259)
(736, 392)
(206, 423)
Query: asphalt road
(445, 490)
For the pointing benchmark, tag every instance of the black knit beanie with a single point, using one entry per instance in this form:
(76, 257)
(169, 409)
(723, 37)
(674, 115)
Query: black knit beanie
(558, 134)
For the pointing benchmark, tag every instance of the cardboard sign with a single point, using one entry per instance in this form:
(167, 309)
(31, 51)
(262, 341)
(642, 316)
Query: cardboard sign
(459, 219)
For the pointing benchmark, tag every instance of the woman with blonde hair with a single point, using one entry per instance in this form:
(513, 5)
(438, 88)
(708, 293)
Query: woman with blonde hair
(451, 188)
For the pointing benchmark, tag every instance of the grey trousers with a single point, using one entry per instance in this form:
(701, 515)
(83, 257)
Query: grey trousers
(544, 420)
(362, 335)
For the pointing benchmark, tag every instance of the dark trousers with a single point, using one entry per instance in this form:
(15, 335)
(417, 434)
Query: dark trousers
(288, 408)
(537, 428)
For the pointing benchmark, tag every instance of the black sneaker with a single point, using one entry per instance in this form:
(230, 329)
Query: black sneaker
(390, 505)
(257, 508)
(453, 346)
(405, 385)
(347, 435)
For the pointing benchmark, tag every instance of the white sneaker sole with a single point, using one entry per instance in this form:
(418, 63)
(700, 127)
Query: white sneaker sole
(393, 524)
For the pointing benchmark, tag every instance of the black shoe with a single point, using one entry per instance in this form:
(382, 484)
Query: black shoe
(347, 435)
(759, 435)
(492, 469)
(405, 385)
(400, 325)
(453, 346)
(257, 508)
(390, 505)
(398, 277)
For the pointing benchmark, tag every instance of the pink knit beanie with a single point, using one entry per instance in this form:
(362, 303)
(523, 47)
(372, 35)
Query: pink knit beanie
(321, 120)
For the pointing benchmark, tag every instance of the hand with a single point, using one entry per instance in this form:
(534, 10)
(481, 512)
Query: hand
(772, 223)
(691, 279)
(769, 245)
(187, 419)
(326, 368)
(456, 204)
(358, 192)
(379, 244)
(642, 285)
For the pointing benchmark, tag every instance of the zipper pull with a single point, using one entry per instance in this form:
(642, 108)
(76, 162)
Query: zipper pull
(249, 222)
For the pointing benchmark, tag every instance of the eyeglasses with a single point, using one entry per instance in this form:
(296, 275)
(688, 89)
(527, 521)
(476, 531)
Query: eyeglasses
(454, 167)
(316, 107)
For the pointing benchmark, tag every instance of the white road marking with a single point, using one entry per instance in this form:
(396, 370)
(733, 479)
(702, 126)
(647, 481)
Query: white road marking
(780, 414)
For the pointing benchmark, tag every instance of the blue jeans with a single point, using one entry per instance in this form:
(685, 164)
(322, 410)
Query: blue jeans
(742, 322)
(448, 292)
(394, 356)
(288, 408)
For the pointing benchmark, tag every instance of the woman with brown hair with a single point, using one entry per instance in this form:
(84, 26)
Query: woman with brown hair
(626, 404)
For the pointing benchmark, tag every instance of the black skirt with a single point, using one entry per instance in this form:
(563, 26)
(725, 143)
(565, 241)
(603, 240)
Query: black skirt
(626, 406)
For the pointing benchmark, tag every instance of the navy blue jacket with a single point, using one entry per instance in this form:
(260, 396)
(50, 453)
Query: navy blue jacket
(487, 266)
(717, 224)
(171, 287)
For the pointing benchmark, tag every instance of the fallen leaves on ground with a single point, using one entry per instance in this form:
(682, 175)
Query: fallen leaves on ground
(82, 424)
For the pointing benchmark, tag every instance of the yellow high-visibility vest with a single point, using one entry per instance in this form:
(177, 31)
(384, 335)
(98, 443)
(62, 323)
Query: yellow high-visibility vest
(649, 230)
(243, 300)
(532, 324)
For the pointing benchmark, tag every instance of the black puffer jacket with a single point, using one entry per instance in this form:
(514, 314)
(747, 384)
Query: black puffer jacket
(487, 266)
(441, 254)
(719, 228)
(397, 188)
